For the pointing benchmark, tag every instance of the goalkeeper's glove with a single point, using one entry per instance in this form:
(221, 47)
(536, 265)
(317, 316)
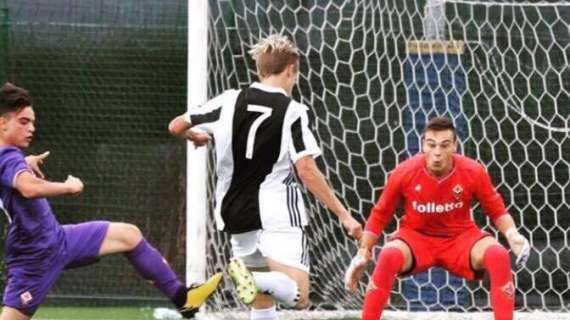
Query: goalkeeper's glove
(356, 269)
(519, 245)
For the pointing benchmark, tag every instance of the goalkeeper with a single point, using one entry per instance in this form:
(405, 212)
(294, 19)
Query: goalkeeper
(38, 248)
(437, 188)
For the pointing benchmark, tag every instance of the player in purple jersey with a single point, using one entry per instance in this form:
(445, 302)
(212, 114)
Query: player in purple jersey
(38, 248)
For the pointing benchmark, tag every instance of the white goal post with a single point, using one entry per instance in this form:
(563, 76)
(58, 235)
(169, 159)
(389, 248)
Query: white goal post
(372, 72)
(196, 173)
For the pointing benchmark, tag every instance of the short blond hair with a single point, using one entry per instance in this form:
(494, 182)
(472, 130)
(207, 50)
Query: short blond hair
(273, 53)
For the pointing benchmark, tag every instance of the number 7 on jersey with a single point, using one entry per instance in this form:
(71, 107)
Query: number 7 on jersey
(265, 113)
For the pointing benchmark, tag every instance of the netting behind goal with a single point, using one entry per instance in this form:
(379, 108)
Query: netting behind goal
(505, 80)
(106, 77)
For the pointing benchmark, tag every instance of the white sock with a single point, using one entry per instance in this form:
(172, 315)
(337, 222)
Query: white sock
(279, 286)
(264, 314)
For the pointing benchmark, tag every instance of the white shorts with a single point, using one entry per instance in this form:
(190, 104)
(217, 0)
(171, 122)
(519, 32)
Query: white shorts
(287, 246)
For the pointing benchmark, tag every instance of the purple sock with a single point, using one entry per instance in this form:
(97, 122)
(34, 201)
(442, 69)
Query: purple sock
(150, 264)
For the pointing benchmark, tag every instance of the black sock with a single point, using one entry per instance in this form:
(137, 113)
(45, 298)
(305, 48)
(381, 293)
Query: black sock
(179, 298)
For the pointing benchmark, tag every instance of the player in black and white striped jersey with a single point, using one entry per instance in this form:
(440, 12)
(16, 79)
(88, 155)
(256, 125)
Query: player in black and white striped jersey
(262, 137)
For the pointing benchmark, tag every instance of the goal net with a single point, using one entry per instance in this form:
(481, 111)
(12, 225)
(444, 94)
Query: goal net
(372, 72)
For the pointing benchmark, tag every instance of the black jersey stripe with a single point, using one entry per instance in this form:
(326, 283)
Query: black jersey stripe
(289, 207)
(296, 206)
(297, 134)
(292, 204)
(211, 116)
(289, 180)
(305, 247)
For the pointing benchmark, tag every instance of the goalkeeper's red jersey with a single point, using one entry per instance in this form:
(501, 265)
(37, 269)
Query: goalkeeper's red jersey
(436, 206)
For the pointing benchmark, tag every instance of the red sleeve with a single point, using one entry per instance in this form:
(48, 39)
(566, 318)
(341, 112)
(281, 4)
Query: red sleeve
(490, 199)
(384, 209)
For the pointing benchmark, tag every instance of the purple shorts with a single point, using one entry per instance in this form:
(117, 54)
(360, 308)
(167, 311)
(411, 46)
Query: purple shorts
(27, 287)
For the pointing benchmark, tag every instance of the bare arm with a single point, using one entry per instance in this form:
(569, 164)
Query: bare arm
(31, 186)
(178, 127)
(314, 180)
(367, 242)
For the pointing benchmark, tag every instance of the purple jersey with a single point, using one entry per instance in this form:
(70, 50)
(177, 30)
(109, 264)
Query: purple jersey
(34, 233)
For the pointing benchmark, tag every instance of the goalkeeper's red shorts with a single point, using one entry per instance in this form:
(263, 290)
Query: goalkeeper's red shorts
(453, 254)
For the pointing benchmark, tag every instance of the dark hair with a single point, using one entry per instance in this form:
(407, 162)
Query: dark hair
(13, 98)
(440, 124)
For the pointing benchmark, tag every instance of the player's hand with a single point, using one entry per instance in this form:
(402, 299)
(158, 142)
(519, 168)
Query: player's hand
(199, 138)
(356, 269)
(74, 185)
(520, 246)
(352, 226)
(35, 161)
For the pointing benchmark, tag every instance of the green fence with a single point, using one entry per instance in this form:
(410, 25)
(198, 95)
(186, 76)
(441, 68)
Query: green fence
(106, 77)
